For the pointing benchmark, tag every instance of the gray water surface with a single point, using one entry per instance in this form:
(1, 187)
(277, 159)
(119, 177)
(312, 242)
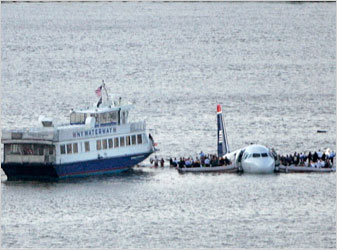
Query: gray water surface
(271, 65)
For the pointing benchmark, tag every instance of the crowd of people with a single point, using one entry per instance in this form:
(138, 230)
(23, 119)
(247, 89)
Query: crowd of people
(204, 160)
(317, 159)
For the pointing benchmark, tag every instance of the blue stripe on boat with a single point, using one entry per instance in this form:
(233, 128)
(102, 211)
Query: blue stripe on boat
(76, 169)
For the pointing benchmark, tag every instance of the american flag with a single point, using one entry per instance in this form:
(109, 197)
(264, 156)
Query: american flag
(99, 91)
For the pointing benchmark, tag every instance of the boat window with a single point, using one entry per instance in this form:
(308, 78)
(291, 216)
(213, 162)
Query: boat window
(98, 145)
(105, 144)
(77, 118)
(264, 155)
(116, 142)
(87, 146)
(139, 139)
(128, 142)
(47, 123)
(27, 149)
(63, 149)
(144, 139)
(95, 116)
(75, 148)
(256, 155)
(112, 116)
(39, 149)
(69, 149)
(16, 135)
(133, 139)
(72, 117)
(7, 148)
(15, 149)
(122, 139)
(51, 150)
(103, 118)
(123, 117)
(110, 143)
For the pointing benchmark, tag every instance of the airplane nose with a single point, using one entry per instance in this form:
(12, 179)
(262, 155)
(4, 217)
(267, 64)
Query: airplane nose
(262, 166)
(266, 165)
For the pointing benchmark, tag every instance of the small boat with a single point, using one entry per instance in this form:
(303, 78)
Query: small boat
(98, 140)
(303, 169)
(227, 169)
(321, 131)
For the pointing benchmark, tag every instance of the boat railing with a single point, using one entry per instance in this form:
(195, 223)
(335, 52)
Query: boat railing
(28, 134)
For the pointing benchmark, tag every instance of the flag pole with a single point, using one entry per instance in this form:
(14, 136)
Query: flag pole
(103, 84)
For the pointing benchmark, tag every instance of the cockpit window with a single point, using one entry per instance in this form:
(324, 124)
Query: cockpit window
(256, 155)
(264, 155)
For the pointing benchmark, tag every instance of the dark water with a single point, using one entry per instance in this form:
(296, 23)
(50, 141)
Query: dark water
(271, 65)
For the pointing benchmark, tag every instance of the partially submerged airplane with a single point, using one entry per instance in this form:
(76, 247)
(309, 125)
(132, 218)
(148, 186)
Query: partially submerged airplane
(254, 158)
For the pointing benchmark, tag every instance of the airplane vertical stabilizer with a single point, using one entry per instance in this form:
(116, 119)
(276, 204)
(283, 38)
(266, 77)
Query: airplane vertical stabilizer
(223, 147)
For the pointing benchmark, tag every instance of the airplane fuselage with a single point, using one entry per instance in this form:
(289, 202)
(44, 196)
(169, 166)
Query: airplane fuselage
(256, 159)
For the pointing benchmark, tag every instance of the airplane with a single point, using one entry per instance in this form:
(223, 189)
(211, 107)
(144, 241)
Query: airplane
(254, 158)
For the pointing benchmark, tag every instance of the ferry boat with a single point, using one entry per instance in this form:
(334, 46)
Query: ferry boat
(98, 140)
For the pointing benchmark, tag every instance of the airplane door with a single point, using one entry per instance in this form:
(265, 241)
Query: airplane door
(239, 160)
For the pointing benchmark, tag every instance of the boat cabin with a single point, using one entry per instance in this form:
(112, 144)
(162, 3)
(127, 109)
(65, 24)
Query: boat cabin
(29, 153)
(29, 146)
(103, 116)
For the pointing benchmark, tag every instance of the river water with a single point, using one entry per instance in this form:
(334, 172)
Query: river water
(272, 66)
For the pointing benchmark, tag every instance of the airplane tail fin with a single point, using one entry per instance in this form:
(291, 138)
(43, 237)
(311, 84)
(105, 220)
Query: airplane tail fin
(223, 147)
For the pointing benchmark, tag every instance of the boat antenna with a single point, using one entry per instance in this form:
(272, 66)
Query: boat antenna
(103, 84)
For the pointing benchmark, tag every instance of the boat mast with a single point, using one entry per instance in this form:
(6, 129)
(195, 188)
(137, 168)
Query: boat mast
(106, 92)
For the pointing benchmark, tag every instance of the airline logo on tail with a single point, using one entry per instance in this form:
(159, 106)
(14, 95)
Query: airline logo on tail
(222, 137)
